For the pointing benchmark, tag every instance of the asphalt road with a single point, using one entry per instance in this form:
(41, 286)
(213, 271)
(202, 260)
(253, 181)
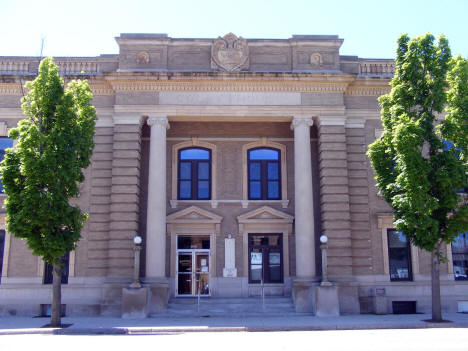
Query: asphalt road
(390, 339)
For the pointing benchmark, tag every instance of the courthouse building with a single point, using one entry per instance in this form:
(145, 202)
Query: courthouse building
(230, 157)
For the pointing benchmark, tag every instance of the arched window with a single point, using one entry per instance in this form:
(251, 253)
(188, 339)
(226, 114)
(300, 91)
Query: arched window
(194, 174)
(264, 174)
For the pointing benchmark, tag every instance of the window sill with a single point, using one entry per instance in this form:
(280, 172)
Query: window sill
(243, 203)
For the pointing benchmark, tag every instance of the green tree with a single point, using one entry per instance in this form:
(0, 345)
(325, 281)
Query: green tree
(421, 158)
(43, 171)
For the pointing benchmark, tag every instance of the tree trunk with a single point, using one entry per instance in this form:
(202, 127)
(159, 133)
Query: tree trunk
(436, 304)
(56, 310)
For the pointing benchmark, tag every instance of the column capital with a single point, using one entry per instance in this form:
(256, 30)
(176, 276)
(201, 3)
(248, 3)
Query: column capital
(298, 121)
(158, 121)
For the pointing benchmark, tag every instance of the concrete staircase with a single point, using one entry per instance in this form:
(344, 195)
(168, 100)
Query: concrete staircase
(242, 306)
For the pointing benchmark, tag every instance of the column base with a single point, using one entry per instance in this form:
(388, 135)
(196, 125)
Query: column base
(158, 296)
(326, 301)
(135, 302)
(304, 295)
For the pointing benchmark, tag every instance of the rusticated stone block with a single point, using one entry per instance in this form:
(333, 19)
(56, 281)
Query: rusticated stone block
(124, 216)
(332, 180)
(339, 172)
(126, 162)
(107, 164)
(332, 138)
(324, 163)
(334, 189)
(332, 155)
(123, 226)
(329, 146)
(332, 198)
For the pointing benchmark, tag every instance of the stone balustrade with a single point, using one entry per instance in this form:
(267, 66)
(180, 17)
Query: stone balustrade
(376, 67)
(73, 67)
(14, 66)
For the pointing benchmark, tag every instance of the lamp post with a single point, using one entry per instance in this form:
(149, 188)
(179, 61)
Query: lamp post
(136, 265)
(323, 247)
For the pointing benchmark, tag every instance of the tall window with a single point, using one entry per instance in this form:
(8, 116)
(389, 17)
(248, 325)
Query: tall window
(48, 276)
(4, 144)
(2, 245)
(460, 257)
(399, 254)
(264, 170)
(265, 258)
(194, 174)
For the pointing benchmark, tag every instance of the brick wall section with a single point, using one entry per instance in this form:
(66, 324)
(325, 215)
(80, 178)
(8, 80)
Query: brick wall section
(334, 199)
(99, 218)
(359, 201)
(124, 199)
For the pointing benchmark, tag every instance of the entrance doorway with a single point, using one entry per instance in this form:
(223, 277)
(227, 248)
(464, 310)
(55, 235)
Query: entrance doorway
(193, 265)
(265, 258)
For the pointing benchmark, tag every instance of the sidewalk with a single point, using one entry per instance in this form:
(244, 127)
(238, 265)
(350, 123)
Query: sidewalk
(110, 325)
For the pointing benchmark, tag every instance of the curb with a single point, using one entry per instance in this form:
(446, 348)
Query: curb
(175, 330)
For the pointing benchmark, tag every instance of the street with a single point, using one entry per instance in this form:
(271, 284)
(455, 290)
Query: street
(390, 339)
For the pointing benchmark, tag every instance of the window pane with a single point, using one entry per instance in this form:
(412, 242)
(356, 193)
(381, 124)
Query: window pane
(203, 189)
(399, 253)
(193, 242)
(264, 154)
(194, 154)
(255, 190)
(185, 189)
(203, 170)
(5, 143)
(273, 171)
(396, 239)
(460, 257)
(185, 170)
(274, 266)
(273, 190)
(255, 172)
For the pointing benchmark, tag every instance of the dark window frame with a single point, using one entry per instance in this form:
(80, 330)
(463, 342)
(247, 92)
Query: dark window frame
(194, 174)
(264, 175)
(408, 258)
(463, 251)
(265, 255)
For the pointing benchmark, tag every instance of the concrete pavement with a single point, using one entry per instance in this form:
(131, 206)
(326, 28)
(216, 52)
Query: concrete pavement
(163, 324)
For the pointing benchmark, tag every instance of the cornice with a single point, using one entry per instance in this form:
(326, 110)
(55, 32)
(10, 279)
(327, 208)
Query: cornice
(228, 86)
(364, 90)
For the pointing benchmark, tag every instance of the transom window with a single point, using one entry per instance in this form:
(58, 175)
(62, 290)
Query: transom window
(194, 174)
(460, 257)
(399, 254)
(264, 174)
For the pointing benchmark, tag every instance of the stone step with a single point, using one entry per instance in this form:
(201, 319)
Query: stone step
(215, 306)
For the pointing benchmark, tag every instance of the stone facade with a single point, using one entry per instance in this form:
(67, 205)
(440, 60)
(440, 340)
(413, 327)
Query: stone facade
(229, 95)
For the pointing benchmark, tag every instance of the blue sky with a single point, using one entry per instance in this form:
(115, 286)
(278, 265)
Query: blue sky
(88, 27)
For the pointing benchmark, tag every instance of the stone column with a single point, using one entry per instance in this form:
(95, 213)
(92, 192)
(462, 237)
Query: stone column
(156, 215)
(304, 206)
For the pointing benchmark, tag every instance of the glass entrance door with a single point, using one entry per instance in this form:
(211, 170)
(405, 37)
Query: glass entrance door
(193, 266)
(265, 258)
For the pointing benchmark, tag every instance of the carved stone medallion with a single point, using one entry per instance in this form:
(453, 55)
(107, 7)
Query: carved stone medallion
(316, 60)
(142, 58)
(230, 53)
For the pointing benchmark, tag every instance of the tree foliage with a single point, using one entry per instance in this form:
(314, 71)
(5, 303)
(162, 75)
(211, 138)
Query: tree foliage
(43, 171)
(421, 159)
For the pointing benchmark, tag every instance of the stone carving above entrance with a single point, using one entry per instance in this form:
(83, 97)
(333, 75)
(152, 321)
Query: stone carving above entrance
(143, 58)
(230, 53)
